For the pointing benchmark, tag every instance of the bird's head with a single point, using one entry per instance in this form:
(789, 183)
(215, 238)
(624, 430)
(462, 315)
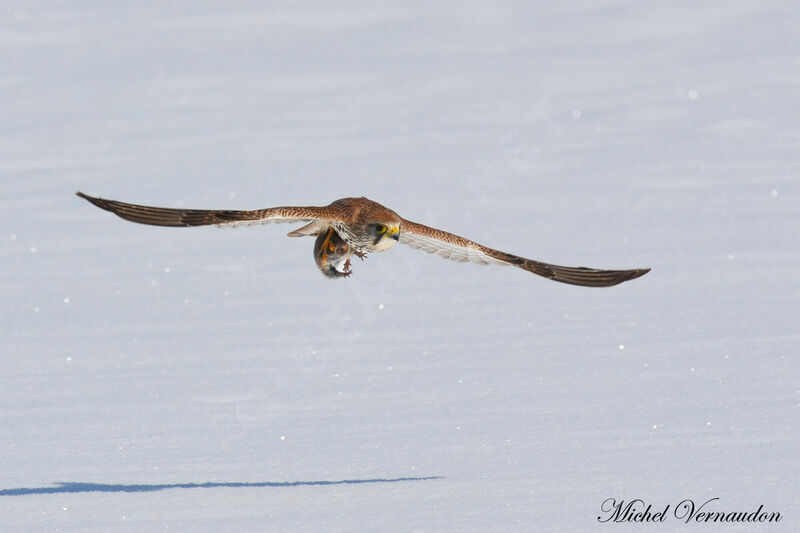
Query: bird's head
(376, 228)
(385, 235)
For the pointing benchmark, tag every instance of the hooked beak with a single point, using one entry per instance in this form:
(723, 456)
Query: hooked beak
(394, 233)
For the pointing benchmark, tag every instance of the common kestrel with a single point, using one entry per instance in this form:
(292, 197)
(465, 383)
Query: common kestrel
(357, 226)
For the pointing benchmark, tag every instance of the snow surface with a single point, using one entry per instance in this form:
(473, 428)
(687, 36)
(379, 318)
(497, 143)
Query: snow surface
(212, 380)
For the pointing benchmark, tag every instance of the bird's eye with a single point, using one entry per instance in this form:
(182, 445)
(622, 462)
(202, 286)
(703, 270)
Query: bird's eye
(380, 228)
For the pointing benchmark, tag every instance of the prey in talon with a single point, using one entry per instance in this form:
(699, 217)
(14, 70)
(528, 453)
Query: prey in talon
(332, 254)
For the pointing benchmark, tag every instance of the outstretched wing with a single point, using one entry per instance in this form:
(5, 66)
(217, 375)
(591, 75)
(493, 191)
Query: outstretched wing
(164, 216)
(456, 248)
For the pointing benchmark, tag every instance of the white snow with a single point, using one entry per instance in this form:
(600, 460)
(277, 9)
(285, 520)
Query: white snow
(420, 394)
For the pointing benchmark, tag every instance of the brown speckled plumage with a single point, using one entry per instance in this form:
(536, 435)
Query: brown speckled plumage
(362, 226)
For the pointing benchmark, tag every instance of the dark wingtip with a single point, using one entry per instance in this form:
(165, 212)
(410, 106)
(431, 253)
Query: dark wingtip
(99, 202)
(627, 275)
(590, 277)
(86, 196)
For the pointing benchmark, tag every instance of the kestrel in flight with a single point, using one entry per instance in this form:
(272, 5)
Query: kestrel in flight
(357, 226)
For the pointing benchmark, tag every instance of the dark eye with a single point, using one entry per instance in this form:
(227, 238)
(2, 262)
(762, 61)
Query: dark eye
(380, 228)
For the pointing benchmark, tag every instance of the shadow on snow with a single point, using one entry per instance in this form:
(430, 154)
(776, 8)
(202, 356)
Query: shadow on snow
(61, 488)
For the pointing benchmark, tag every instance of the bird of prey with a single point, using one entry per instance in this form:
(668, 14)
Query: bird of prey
(357, 226)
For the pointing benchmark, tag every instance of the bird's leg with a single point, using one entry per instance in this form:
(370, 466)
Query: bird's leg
(360, 255)
(326, 245)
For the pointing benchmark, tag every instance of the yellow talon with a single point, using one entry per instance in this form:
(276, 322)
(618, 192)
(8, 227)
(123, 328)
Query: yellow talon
(326, 245)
